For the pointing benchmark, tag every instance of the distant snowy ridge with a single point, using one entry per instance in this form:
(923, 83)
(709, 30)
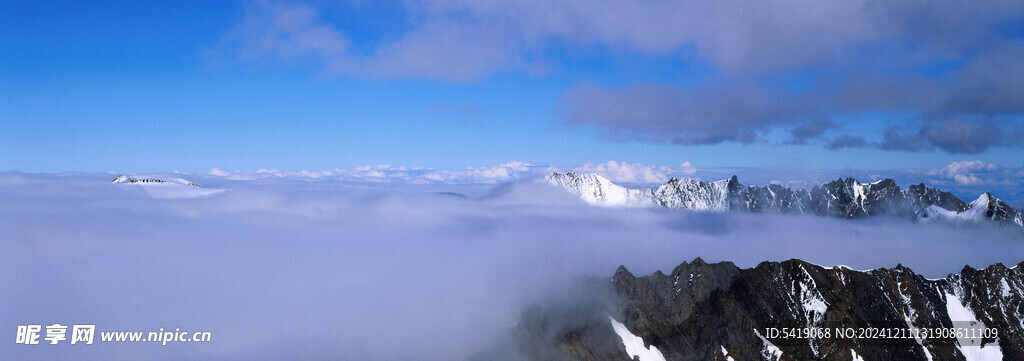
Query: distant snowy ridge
(131, 180)
(843, 198)
(167, 187)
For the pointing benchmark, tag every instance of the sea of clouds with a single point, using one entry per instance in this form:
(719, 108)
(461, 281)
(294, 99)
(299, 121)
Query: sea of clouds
(319, 268)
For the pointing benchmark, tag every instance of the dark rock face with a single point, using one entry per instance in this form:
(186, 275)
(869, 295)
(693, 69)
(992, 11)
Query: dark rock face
(699, 309)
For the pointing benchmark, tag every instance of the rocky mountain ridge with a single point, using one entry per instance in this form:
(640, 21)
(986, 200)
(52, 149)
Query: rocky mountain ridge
(718, 311)
(843, 198)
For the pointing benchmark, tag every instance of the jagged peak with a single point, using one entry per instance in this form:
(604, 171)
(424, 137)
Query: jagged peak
(800, 262)
(883, 183)
(792, 263)
(622, 272)
(699, 265)
(983, 200)
(998, 266)
(565, 174)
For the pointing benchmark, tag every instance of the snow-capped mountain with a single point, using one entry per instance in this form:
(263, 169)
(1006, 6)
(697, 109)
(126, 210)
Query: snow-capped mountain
(132, 180)
(596, 189)
(844, 198)
(166, 187)
(983, 209)
(704, 311)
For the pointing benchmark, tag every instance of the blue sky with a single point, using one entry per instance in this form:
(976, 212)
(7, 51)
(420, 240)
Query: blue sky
(146, 86)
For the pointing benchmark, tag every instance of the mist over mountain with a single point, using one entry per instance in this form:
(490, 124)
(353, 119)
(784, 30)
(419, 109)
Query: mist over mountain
(841, 198)
(702, 311)
(294, 268)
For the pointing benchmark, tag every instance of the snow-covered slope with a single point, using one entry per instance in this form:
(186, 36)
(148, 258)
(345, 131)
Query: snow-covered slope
(676, 193)
(976, 213)
(691, 194)
(635, 345)
(985, 208)
(596, 189)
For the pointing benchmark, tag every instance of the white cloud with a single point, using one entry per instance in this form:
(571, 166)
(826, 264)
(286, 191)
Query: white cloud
(218, 172)
(493, 174)
(967, 179)
(965, 172)
(625, 172)
(510, 171)
(386, 173)
(687, 169)
(636, 172)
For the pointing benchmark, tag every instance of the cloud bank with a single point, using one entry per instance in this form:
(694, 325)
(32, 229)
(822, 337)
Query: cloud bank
(515, 170)
(965, 178)
(291, 268)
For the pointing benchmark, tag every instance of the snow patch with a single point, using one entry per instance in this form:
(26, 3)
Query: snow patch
(726, 354)
(634, 344)
(598, 190)
(971, 348)
(770, 352)
(813, 305)
(856, 357)
(811, 300)
(859, 194)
